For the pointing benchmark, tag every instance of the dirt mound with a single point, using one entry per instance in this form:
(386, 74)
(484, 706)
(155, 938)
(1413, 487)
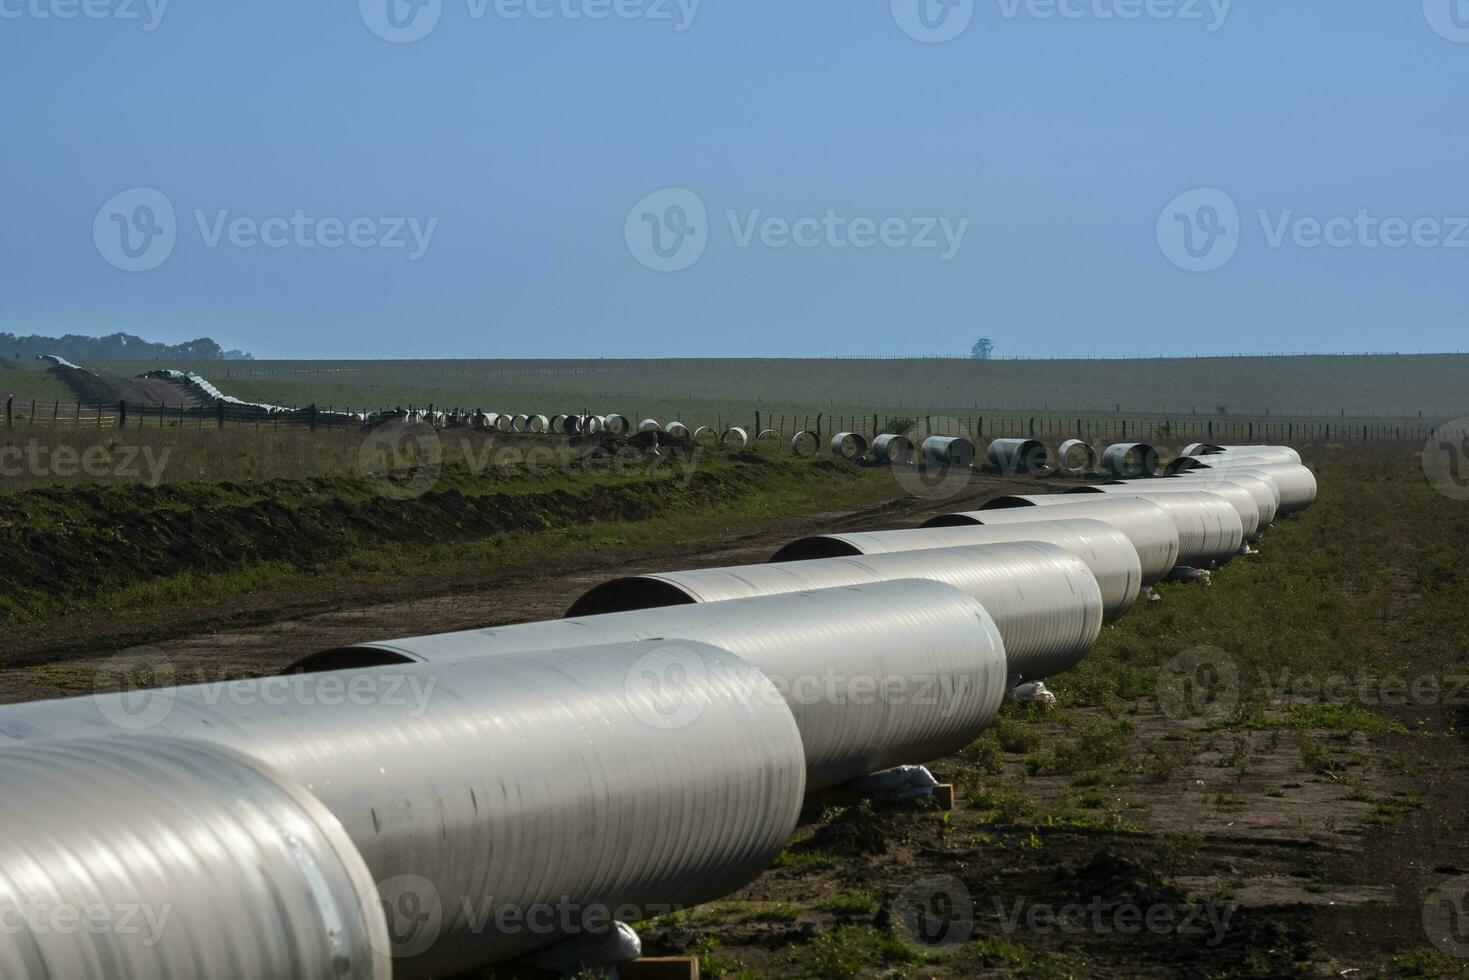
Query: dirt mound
(68, 544)
(857, 831)
(90, 388)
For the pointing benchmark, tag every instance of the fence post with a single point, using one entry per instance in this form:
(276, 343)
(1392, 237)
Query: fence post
(31, 422)
(122, 414)
(9, 409)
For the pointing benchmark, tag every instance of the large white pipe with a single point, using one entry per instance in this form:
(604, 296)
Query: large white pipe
(1210, 529)
(148, 857)
(1152, 532)
(636, 776)
(1045, 601)
(932, 652)
(1110, 554)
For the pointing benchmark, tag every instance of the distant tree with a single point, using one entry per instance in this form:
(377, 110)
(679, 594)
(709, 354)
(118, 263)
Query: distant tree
(117, 347)
(982, 349)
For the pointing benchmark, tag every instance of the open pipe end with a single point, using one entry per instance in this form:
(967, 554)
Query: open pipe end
(626, 594)
(347, 658)
(951, 520)
(818, 546)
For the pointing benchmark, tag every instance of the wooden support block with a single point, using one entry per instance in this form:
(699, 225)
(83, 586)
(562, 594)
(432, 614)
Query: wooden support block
(943, 794)
(660, 968)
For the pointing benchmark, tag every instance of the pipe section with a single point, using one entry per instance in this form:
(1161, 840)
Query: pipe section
(173, 858)
(1019, 456)
(634, 776)
(894, 449)
(1153, 533)
(948, 451)
(932, 654)
(1130, 460)
(1107, 552)
(1209, 527)
(1066, 458)
(1045, 601)
(848, 445)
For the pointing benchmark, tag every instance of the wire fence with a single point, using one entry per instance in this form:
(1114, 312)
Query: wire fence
(222, 415)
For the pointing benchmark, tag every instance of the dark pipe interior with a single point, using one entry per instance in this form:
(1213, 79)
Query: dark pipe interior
(347, 658)
(951, 520)
(820, 546)
(624, 594)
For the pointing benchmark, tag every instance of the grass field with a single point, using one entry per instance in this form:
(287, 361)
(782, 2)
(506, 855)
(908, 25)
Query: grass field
(1346, 388)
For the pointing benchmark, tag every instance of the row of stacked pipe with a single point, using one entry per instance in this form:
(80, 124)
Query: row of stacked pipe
(651, 751)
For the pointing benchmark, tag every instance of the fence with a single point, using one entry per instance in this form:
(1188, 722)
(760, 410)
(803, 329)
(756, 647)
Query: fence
(122, 415)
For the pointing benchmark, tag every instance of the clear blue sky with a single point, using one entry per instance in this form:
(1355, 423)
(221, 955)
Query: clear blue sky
(532, 140)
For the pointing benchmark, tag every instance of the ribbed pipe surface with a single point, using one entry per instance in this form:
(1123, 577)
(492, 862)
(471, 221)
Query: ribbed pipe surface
(1045, 601)
(1108, 553)
(1275, 453)
(638, 775)
(893, 448)
(1153, 533)
(932, 652)
(1295, 483)
(948, 451)
(1260, 487)
(146, 857)
(1209, 527)
(1066, 461)
(1238, 497)
(1016, 456)
(1130, 460)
